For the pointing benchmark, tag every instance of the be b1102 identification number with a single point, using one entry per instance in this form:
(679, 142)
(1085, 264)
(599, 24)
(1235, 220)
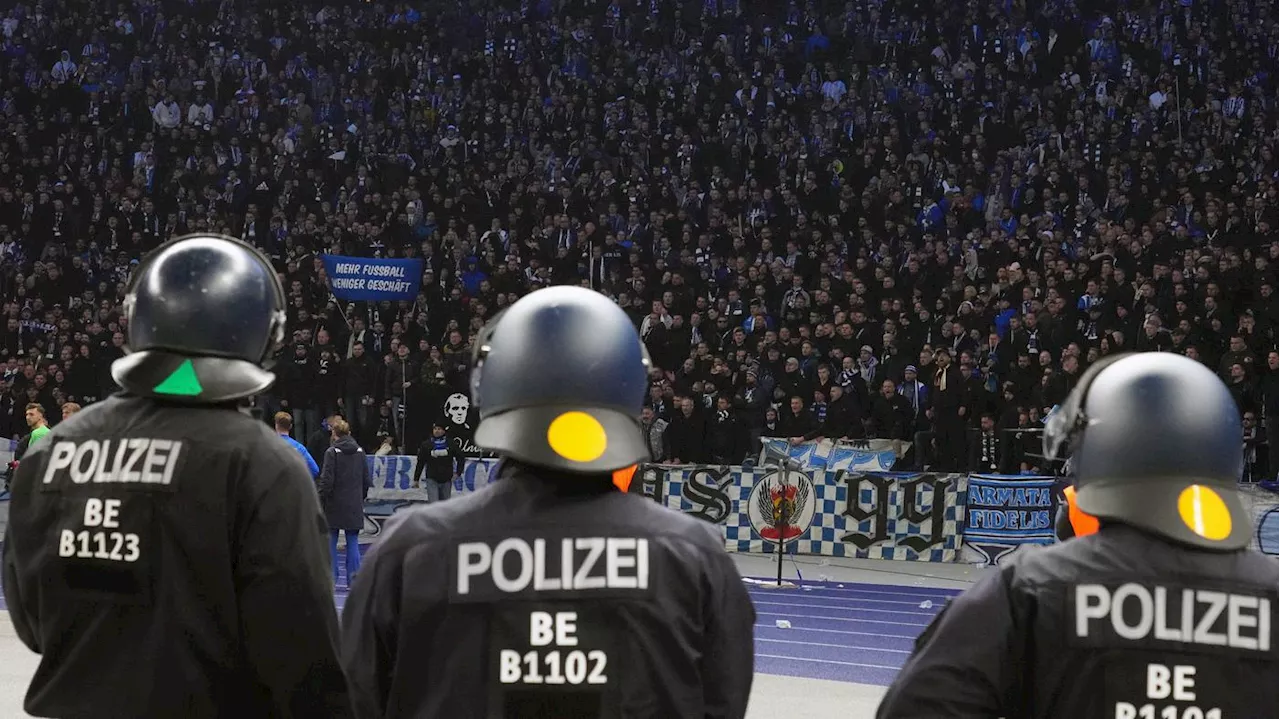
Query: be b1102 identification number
(553, 666)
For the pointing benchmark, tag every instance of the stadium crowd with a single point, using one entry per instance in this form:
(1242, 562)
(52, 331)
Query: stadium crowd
(867, 219)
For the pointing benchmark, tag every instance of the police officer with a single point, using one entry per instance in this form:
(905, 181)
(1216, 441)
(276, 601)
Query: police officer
(561, 596)
(165, 552)
(1163, 612)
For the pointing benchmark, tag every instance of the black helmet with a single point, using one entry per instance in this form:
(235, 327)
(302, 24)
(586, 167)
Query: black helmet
(205, 314)
(1156, 443)
(559, 379)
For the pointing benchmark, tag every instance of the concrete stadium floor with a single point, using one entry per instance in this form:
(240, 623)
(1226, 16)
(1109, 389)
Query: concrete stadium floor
(17, 664)
(771, 696)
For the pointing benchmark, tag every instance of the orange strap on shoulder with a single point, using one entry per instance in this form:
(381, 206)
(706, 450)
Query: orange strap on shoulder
(622, 477)
(1082, 524)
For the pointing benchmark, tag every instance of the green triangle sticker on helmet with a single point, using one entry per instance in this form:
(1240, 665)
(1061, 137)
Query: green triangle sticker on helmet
(181, 382)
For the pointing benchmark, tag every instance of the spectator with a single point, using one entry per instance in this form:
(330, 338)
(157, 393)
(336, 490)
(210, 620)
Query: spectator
(319, 441)
(1242, 389)
(69, 409)
(726, 434)
(297, 385)
(343, 484)
(328, 382)
(358, 388)
(655, 429)
(1054, 179)
(843, 419)
(1268, 394)
(889, 414)
(166, 113)
(686, 435)
(284, 425)
(1237, 354)
(1255, 459)
(917, 395)
(383, 427)
(440, 464)
(990, 450)
(200, 112)
(948, 412)
(797, 423)
(400, 374)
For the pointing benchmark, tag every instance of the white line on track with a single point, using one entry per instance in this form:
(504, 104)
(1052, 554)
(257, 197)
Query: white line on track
(828, 661)
(841, 619)
(845, 600)
(905, 591)
(841, 631)
(833, 646)
(852, 609)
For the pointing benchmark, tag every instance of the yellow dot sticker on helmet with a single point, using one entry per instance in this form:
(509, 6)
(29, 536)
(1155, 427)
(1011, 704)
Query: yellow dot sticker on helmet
(1204, 512)
(577, 436)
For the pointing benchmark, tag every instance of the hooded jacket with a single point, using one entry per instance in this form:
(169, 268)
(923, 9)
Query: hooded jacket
(344, 483)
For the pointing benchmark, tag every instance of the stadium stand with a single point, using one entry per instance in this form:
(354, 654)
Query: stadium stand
(911, 220)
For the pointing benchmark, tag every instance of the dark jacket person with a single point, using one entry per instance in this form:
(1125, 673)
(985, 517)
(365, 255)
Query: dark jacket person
(344, 483)
(318, 443)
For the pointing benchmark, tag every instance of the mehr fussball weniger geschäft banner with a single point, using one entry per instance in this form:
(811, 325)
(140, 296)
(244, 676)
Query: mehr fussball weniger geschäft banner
(369, 279)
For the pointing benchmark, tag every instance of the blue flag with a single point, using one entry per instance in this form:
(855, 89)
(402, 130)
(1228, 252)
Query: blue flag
(365, 278)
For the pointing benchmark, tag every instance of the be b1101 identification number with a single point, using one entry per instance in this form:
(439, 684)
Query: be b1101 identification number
(1168, 684)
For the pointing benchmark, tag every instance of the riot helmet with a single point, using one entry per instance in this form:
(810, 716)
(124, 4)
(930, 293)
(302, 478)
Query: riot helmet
(1155, 440)
(559, 379)
(205, 314)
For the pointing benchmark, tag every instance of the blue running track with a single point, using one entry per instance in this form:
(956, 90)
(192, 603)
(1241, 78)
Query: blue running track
(842, 632)
(846, 632)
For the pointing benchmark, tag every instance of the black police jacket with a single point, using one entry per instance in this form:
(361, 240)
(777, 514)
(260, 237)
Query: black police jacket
(1113, 625)
(539, 597)
(169, 561)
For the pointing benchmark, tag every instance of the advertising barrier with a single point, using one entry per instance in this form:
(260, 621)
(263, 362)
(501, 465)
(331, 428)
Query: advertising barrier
(366, 278)
(393, 478)
(7, 448)
(832, 513)
(1266, 519)
(873, 455)
(982, 519)
(1005, 513)
(393, 489)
